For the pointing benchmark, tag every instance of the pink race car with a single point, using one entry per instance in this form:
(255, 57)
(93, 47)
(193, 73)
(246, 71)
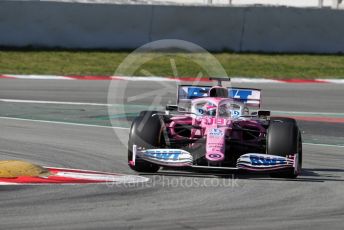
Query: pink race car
(212, 128)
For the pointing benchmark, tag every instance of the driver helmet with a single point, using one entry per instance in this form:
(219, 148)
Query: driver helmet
(224, 111)
(210, 109)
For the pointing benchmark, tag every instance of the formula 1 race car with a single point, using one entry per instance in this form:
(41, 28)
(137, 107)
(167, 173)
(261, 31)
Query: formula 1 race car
(212, 128)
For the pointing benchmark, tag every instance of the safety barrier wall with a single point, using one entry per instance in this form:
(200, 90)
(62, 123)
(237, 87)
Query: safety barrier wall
(110, 26)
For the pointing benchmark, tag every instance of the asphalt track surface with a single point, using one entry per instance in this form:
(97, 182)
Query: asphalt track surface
(171, 200)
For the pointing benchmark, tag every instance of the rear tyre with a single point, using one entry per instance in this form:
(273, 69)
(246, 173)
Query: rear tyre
(283, 139)
(146, 131)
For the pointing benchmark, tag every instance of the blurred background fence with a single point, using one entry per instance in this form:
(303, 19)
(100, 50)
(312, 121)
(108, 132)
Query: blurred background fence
(103, 25)
(291, 3)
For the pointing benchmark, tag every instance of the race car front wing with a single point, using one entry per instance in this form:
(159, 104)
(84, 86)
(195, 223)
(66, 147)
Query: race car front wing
(181, 158)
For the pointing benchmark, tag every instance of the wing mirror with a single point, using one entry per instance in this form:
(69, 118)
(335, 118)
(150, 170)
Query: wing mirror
(171, 107)
(263, 113)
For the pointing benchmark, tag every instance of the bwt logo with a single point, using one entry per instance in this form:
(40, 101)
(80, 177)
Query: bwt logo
(216, 133)
(161, 155)
(257, 160)
(213, 120)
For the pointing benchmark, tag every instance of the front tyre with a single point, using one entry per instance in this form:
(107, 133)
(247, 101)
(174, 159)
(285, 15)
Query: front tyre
(146, 131)
(284, 139)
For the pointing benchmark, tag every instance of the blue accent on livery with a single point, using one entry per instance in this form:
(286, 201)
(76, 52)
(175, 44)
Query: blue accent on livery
(235, 113)
(197, 92)
(241, 94)
(163, 155)
(200, 111)
(258, 160)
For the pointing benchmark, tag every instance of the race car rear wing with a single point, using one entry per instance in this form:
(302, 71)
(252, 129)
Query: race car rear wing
(251, 97)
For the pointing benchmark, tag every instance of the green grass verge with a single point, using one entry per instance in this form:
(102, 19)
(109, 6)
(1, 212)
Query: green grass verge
(106, 62)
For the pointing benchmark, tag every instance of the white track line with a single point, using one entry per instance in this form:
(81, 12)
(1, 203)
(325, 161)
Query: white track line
(123, 128)
(335, 81)
(63, 123)
(254, 80)
(108, 105)
(39, 77)
(167, 79)
(146, 79)
(308, 113)
(51, 102)
(324, 145)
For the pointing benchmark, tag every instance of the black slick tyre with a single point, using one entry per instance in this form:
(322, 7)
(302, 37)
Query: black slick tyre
(146, 132)
(283, 139)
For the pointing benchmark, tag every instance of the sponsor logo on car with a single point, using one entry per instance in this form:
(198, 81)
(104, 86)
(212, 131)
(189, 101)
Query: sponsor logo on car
(217, 121)
(216, 133)
(235, 113)
(260, 160)
(215, 156)
(170, 157)
(163, 154)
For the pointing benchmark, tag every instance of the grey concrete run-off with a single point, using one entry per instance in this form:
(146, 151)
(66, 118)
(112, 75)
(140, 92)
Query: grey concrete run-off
(171, 200)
